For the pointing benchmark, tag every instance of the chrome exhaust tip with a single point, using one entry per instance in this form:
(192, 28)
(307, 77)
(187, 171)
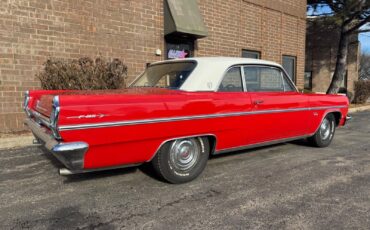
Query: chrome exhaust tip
(65, 172)
(36, 142)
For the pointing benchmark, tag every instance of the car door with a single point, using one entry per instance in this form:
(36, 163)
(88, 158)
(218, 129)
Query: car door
(236, 103)
(279, 111)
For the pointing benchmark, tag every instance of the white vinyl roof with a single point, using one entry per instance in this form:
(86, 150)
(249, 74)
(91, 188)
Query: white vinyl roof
(209, 71)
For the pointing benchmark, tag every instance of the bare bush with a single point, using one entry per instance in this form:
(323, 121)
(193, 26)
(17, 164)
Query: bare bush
(83, 74)
(362, 91)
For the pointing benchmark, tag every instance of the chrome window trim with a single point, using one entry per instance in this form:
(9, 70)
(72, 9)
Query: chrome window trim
(185, 118)
(243, 79)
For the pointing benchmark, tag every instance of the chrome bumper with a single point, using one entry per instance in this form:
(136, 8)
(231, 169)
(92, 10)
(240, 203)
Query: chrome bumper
(348, 118)
(71, 154)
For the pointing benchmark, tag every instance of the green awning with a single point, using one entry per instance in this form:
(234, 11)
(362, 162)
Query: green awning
(183, 17)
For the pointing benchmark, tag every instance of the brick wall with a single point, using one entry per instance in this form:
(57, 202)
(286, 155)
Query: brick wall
(321, 52)
(274, 28)
(31, 31)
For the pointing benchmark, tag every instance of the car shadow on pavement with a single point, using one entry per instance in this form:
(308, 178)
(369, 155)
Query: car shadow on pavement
(98, 174)
(72, 218)
(255, 150)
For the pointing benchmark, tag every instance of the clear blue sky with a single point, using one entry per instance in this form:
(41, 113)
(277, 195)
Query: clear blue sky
(364, 37)
(365, 42)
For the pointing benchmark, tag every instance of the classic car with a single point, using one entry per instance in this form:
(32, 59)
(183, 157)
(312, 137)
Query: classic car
(177, 113)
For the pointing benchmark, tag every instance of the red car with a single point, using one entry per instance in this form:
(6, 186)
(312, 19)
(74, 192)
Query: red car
(177, 113)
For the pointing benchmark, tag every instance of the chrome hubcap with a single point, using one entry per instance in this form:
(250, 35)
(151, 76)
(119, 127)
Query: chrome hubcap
(325, 129)
(184, 154)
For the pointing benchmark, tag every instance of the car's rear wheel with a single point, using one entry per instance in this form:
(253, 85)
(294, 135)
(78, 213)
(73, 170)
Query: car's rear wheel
(324, 135)
(182, 160)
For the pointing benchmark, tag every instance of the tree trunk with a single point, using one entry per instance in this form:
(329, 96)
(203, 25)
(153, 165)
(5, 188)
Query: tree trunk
(341, 65)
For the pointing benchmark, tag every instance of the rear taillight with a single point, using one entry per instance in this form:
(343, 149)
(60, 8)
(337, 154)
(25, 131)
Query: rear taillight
(54, 117)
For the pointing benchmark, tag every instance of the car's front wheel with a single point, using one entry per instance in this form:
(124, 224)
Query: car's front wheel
(324, 135)
(182, 160)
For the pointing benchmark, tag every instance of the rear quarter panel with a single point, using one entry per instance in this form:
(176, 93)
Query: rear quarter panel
(337, 103)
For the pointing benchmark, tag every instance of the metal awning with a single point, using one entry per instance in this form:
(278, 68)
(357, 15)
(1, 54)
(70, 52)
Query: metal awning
(183, 17)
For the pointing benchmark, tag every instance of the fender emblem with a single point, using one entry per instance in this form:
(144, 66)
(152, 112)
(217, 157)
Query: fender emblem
(87, 116)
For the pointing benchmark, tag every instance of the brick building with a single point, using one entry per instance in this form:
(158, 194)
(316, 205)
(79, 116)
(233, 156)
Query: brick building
(321, 53)
(31, 31)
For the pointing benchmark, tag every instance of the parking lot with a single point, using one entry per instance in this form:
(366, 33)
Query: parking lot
(291, 186)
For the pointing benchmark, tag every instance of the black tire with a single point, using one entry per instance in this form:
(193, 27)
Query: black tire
(324, 136)
(171, 164)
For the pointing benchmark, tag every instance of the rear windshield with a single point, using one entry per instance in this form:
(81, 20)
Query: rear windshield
(165, 75)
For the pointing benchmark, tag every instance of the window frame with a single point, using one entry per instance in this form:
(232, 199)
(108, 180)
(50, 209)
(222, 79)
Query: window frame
(294, 66)
(252, 51)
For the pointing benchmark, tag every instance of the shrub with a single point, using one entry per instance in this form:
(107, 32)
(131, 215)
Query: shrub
(83, 74)
(362, 91)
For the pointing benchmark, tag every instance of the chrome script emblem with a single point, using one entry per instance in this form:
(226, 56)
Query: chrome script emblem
(87, 116)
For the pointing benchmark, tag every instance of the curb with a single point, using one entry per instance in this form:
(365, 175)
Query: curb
(359, 109)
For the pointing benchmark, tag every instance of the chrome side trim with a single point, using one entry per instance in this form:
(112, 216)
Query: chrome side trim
(261, 144)
(183, 137)
(185, 118)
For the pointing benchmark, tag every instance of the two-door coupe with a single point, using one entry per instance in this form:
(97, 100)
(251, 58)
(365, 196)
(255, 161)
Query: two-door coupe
(177, 113)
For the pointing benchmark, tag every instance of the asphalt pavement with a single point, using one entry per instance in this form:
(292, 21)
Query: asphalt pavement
(285, 186)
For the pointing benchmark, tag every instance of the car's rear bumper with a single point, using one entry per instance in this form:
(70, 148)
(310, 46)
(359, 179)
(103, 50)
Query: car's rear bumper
(71, 154)
(347, 118)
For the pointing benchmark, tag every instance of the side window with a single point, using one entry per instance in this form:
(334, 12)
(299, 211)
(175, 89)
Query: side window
(265, 79)
(232, 81)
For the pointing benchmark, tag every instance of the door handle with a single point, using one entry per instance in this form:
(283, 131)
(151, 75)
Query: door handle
(258, 102)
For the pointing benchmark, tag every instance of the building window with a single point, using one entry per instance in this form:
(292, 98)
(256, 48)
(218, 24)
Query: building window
(251, 54)
(308, 80)
(289, 64)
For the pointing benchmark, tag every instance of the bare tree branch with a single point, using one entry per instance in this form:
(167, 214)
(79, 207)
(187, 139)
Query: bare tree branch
(358, 26)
